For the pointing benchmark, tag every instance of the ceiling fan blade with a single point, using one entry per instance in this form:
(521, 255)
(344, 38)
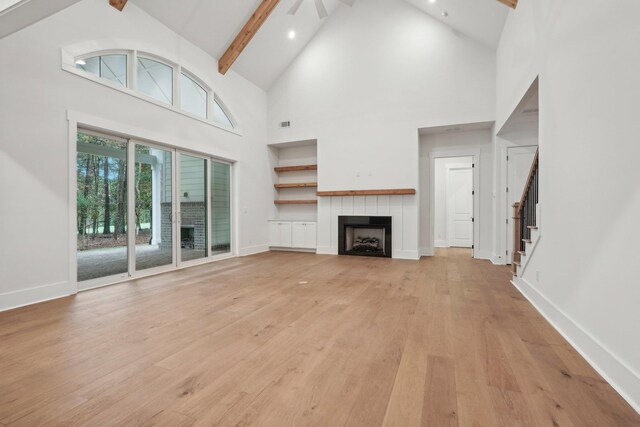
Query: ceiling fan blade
(295, 7)
(322, 11)
(348, 2)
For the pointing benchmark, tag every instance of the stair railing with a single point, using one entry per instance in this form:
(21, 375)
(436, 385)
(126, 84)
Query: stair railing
(524, 215)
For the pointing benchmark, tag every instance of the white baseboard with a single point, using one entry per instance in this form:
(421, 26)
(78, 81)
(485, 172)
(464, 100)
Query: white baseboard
(441, 243)
(302, 250)
(23, 297)
(498, 260)
(326, 250)
(412, 255)
(252, 250)
(621, 377)
(481, 255)
(426, 251)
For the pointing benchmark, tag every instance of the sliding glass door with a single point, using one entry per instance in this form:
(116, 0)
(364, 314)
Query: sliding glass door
(192, 219)
(220, 188)
(153, 208)
(144, 208)
(101, 171)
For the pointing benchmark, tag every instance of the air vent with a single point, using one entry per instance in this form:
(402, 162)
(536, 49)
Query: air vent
(285, 124)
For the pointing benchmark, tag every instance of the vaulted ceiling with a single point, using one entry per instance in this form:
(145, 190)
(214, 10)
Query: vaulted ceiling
(212, 26)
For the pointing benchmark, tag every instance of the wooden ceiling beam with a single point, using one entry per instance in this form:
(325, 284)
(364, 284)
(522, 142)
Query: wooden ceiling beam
(246, 34)
(511, 3)
(118, 4)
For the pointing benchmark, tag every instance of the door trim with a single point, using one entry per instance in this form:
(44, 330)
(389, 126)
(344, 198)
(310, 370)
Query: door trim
(449, 168)
(439, 154)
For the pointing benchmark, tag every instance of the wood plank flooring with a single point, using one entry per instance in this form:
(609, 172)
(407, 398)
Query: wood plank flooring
(294, 339)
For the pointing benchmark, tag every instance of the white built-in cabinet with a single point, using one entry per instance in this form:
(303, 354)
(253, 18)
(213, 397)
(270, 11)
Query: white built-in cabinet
(292, 234)
(303, 235)
(280, 234)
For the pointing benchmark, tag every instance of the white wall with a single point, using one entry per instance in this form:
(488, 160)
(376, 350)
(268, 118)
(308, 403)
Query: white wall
(459, 143)
(588, 61)
(36, 93)
(441, 231)
(371, 77)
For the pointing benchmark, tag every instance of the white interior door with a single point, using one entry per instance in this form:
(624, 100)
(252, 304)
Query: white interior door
(519, 160)
(460, 202)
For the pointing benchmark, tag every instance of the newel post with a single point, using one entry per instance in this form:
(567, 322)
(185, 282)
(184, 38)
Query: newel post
(515, 254)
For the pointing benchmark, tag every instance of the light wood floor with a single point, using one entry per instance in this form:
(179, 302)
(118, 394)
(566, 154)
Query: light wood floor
(291, 339)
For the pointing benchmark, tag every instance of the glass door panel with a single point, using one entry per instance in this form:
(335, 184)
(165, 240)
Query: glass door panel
(220, 188)
(153, 208)
(101, 173)
(193, 207)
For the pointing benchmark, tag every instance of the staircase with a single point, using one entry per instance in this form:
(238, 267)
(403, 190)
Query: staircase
(525, 222)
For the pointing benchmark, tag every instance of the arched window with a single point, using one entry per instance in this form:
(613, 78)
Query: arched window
(111, 67)
(193, 97)
(158, 80)
(155, 79)
(220, 115)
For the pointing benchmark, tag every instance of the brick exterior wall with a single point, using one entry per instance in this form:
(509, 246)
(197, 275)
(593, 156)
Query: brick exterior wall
(193, 214)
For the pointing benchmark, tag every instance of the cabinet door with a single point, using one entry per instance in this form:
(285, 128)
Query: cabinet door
(310, 235)
(274, 234)
(285, 235)
(298, 234)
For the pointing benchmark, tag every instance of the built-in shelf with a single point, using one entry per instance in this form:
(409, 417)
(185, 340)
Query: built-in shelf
(392, 192)
(296, 168)
(297, 185)
(295, 202)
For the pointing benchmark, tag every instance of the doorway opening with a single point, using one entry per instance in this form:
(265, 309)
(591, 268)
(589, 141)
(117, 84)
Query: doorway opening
(453, 204)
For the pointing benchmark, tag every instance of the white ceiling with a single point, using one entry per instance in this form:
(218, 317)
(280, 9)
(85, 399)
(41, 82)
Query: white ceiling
(20, 14)
(481, 20)
(525, 118)
(212, 25)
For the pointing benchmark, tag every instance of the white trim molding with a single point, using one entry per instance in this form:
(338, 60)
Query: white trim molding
(438, 154)
(37, 294)
(83, 50)
(620, 376)
(252, 250)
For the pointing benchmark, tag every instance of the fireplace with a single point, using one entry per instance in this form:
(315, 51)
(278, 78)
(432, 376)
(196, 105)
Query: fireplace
(187, 236)
(364, 236)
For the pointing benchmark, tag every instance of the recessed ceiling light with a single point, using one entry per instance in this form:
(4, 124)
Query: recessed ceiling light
(432, 1)
(291, 35)
(81, 62)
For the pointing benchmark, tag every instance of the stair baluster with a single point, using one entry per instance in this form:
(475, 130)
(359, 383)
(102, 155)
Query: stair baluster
(524, 215)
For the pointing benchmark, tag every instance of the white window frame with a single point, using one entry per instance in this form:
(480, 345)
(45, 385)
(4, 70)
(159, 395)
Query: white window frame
(85, 123)
(203, 85)
(70, 56)
(175, 89)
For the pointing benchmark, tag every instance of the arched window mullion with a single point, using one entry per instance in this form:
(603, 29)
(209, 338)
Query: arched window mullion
(133, 70)
(146, 76)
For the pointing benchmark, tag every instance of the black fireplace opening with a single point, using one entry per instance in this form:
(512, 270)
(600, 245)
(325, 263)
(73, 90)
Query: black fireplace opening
(187, 236)
(364, 236)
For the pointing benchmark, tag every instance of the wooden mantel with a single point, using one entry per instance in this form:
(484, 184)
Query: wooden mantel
(391, 192)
